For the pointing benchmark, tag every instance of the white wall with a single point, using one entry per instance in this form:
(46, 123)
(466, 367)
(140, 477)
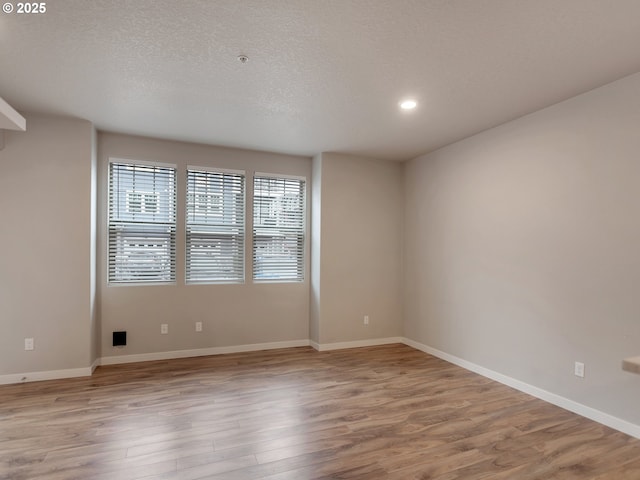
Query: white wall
(45, 246)
(360, 246)
(232, 314)
(522, 248)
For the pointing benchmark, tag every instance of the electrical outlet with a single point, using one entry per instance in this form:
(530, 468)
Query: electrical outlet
(366, 319)
(198, 326)
(578, 369)
(29, 344)
(164, 328)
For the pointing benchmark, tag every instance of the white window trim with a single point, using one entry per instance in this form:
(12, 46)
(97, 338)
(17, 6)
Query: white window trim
(279, 175)
(145, 163)
(217, 170)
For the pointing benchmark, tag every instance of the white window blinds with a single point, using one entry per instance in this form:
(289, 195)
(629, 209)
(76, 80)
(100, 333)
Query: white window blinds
(215, 226)
(278, 228)
(142, 223)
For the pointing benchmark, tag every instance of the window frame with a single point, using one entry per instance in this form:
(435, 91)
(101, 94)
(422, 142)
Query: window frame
(242, 226)
(112, 223)
(302, 241)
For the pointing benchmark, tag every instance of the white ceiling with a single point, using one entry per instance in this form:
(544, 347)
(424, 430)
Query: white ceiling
(323, 75)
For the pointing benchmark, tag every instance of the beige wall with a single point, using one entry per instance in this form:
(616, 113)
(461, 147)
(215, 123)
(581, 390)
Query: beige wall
(523, 248)
(45, 246)
(232, 315)
(360, 248)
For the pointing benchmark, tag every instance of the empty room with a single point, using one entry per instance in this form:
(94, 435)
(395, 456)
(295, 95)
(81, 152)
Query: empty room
(320, 239)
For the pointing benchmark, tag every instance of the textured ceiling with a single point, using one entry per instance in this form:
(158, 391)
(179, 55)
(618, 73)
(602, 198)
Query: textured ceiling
(323, 75)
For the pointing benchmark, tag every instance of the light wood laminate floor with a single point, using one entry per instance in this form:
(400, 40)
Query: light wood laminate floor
(388, 412)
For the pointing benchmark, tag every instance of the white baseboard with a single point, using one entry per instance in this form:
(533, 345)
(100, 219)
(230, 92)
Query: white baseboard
(583, 410)
(46, 375)
(563, 402)
(144, 357)
(372, 342)
(95, 364)
(200, 352)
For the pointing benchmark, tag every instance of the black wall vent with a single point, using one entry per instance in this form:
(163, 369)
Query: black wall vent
(119, 339)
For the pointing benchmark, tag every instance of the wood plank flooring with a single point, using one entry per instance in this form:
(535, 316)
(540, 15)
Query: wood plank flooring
(388, 412)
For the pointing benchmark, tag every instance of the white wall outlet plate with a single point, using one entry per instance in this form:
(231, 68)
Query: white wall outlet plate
(164, 328)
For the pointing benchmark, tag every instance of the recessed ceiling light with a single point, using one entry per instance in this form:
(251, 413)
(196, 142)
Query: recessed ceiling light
(408, 104)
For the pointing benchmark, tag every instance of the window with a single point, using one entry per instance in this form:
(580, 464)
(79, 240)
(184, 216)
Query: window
(278, 228)
(142, 202)
(142, 223)
(215, 226)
